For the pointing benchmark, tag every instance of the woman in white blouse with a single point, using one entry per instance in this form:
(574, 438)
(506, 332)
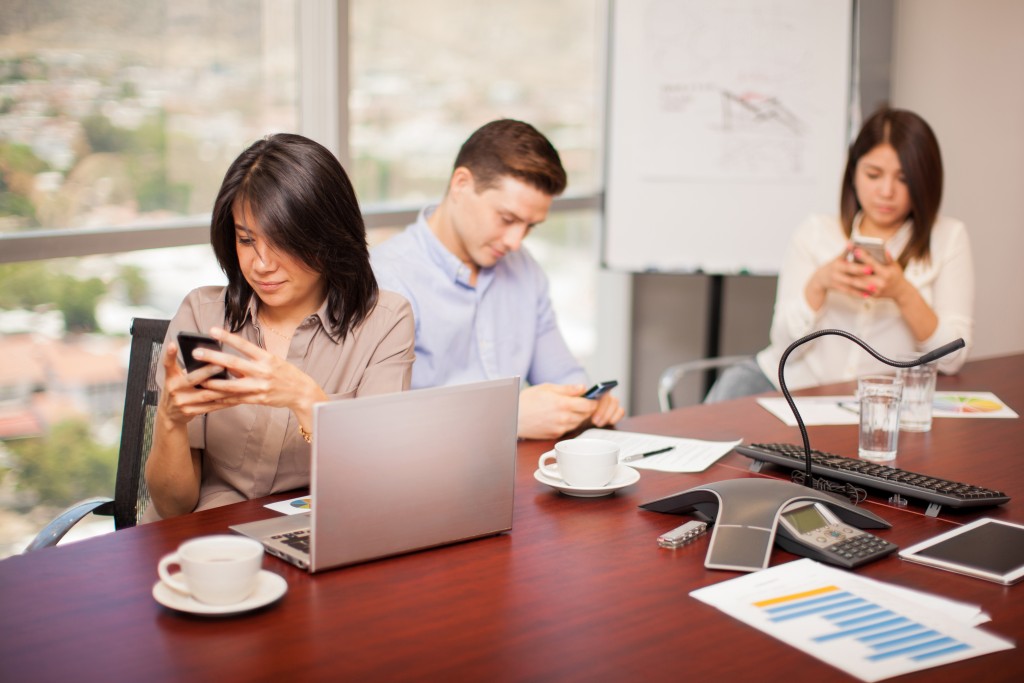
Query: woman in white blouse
(919, 296)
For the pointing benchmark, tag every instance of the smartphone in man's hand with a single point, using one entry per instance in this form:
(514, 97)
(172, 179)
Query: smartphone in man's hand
(600, 389)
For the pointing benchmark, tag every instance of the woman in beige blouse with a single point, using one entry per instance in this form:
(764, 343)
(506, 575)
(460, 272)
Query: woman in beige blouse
(301, 321)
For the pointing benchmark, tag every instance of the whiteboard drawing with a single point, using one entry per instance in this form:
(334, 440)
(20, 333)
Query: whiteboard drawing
(727, 124)
(730, 78)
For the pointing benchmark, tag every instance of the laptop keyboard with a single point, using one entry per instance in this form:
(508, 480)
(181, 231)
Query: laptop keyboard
(295, 539)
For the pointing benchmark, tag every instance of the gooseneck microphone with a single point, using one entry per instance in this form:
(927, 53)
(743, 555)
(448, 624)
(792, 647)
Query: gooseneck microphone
(928, 357)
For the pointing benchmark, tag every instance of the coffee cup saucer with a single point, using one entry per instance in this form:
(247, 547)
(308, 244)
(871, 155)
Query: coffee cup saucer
(624, 476)
(269, 587)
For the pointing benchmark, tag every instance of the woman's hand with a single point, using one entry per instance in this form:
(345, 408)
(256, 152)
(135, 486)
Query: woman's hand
(870, 278)
(259, 377)
(184, 395)
(173, 469)
(841, 275)
(886, 280)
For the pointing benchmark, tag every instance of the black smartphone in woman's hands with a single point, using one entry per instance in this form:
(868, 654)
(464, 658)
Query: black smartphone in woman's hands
(189, 342)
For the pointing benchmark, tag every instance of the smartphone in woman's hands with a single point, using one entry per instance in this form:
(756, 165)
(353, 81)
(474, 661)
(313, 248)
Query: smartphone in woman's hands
(189, 342)
(874, 246)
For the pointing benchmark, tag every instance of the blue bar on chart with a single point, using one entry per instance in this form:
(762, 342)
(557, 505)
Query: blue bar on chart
(887, 635)
(869, 629)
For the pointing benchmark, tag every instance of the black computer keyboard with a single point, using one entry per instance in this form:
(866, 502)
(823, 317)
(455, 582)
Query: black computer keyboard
(936, 492)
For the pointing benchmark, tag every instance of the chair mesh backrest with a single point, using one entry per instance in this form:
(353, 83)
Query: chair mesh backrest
(141, 395)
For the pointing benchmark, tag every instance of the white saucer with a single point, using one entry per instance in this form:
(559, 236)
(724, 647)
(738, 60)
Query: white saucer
(269, 587)
(624, 476)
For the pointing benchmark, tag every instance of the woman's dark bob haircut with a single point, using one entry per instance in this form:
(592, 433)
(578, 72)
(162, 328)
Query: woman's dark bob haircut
(918, 151)
(303, 201)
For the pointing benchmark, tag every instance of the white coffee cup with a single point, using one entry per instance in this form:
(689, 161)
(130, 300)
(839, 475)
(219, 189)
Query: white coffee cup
(586, 463)
(216, 570)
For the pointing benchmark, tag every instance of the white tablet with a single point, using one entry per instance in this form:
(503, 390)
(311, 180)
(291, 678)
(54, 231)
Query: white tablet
(987, 548)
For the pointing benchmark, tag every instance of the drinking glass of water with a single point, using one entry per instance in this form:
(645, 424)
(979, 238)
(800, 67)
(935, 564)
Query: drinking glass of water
(879, 416)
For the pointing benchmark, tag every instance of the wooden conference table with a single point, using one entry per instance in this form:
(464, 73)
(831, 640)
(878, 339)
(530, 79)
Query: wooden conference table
(579, 590)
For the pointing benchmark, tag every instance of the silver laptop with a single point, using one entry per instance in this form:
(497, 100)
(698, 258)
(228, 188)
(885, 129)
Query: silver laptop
(402, 472)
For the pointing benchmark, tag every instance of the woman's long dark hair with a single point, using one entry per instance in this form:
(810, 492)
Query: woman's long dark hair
(918, 150)
(303, 201)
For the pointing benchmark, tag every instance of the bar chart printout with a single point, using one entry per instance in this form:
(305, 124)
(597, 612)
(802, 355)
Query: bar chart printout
(866, 628)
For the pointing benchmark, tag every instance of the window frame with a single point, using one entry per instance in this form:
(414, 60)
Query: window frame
(38, 245)
(323, 27)
(323, 69)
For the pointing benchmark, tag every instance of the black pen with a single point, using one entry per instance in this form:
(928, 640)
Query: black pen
(846, 406)
(637, 456)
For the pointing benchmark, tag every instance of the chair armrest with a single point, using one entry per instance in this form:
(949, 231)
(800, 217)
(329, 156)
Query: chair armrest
(55, 530)
(672, 375)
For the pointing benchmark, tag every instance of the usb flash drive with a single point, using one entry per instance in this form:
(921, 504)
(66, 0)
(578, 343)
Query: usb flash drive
(682, 534)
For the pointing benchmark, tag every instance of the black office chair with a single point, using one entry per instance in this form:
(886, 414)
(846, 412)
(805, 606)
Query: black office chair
(141, 394)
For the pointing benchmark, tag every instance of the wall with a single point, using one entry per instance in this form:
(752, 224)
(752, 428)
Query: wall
(670, 311)
(669, 314)
(961, 66)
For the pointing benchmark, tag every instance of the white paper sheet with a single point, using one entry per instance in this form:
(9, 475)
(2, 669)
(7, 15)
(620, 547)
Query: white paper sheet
(293, 506)
(815, 410)
(970, 404)
(843, 410)
(687, 455)
(866, 628)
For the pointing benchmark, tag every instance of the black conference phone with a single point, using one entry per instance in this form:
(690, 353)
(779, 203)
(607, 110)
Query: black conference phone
(749, 515)
(810, 529)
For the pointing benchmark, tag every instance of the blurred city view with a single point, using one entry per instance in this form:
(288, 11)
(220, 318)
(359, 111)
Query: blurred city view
(126, 113)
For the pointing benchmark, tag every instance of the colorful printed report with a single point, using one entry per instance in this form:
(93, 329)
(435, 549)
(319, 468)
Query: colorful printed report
(867, 628)
(844, 410)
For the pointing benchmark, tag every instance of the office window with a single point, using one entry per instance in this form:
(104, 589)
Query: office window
(424, 76)
(116, 112)
(113, 113)
(126, 113)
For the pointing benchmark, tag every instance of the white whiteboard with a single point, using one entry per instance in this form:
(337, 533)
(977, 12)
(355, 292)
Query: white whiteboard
(727, 126)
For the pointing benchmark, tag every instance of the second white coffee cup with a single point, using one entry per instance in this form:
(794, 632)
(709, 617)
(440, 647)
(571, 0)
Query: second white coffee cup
(216, 570)
(587, 463)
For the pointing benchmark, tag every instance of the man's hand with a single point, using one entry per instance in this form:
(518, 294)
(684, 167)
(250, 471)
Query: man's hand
(547, 411)
(608, 411)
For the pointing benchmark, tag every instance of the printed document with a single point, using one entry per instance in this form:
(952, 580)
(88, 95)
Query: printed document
(867, 628)
(685, 455)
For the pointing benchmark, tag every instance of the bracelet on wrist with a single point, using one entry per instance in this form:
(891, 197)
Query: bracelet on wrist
(305, 435)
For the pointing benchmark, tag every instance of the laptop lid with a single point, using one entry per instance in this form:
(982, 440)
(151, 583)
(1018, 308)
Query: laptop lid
(407, 471)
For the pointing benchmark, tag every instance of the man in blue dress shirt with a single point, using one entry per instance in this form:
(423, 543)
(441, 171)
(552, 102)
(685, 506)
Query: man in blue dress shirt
(480, 300)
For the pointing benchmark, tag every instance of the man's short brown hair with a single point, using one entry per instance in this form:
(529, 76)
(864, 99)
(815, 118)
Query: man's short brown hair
(512, 148)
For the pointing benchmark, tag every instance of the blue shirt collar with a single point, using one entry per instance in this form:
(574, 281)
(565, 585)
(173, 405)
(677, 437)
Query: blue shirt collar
(448, 262)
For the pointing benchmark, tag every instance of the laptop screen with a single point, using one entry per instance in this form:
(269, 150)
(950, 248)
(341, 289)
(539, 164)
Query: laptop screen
(412, 470)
